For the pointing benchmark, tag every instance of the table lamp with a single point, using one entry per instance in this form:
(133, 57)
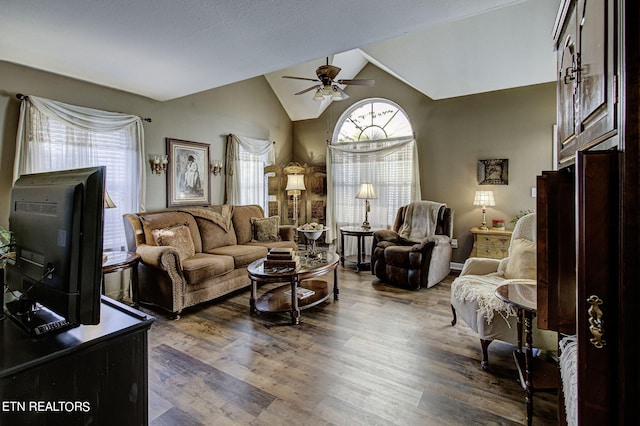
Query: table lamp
(295, 186)
(484, 199)
(367, 193)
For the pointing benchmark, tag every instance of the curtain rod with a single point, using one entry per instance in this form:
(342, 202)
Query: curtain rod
(22, 97)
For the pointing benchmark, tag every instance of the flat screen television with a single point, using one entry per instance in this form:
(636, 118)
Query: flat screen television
(56, 222)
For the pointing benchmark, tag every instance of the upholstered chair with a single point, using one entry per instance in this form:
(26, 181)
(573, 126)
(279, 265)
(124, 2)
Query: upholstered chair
(473, 297)
(416, 253)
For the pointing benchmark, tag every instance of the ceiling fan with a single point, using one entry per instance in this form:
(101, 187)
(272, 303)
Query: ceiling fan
(327, 86)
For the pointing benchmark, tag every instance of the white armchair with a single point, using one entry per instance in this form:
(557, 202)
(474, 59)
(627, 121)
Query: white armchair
(473, 297)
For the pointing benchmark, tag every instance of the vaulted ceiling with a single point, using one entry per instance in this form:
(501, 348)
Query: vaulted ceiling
(165, 49)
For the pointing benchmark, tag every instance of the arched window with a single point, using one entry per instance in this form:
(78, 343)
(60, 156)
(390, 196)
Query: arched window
(373, 142)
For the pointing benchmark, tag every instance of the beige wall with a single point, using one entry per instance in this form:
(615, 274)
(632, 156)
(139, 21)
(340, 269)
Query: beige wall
(247, 108)
(452, 136)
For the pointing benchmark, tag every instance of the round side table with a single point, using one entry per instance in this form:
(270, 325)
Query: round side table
(117, 261)
(359, 232)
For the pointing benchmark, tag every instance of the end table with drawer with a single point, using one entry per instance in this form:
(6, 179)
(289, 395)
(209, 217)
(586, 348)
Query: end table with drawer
(491, 243)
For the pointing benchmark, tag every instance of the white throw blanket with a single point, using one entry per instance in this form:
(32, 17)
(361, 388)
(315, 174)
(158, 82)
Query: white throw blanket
(420, 220)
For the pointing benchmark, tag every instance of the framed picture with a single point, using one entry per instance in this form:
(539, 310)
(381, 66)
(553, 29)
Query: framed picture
(187, 175)
(493, 172)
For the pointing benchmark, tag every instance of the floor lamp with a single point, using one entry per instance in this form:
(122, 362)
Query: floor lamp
(295, 186)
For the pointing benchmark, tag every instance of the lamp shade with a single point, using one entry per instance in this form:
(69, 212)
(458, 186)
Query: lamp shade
(366, 192)
(295, 183)
(108, 202)
(484, 198)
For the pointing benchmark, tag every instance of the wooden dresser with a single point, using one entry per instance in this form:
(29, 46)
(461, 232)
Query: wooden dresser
(491, 243)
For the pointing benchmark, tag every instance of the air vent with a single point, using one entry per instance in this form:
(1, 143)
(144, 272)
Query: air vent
(50, 209)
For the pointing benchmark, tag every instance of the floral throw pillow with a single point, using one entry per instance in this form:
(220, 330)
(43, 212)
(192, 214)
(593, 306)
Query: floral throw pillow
(178, 237)
(265, 229)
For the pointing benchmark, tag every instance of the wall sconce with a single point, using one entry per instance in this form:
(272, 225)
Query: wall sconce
(158, 163)
(216, 168)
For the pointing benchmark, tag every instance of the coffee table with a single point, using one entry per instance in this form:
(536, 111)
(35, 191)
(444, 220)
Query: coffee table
(275, 300)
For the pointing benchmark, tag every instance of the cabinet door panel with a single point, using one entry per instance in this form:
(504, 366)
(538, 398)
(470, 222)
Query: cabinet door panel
(556, 251)
(567, 86)
(598, 259)
(596, 77)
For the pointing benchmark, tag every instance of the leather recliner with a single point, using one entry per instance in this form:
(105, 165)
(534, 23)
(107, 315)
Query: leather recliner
(411, 263)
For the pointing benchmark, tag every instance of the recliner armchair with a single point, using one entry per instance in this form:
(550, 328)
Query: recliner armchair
(416, 253)
(473, 295)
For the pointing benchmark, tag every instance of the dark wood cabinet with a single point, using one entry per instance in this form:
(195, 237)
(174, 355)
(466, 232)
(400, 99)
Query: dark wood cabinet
(94, 374)
(594, 268)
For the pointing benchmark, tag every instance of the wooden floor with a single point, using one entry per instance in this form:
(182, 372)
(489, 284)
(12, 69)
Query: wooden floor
(378, 356)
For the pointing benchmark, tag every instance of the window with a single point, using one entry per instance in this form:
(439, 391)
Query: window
(251, 178)
(372, 143)
(50, 142)
(246, 180)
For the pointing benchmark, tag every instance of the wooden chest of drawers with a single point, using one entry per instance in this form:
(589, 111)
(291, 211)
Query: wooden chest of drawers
(490, 243)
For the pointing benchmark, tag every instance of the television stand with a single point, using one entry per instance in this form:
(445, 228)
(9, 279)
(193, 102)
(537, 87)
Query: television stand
(87, 374)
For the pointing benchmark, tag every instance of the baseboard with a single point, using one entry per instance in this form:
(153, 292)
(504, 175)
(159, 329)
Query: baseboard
(455, 266)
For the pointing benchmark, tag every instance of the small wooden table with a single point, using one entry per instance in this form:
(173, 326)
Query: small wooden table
(276, 300)
(490, 243)
(119, 261)
(524, 298)
(359, 232)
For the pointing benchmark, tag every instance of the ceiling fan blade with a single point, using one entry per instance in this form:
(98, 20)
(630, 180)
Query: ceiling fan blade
(369, 83)
(306, 90)
(300, 78)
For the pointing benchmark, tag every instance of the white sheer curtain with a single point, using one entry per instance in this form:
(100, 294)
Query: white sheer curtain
(391, 165)
(246, 160)
(56, 136)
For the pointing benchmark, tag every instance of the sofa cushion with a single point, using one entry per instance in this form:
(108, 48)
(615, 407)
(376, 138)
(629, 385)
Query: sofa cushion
(178, 237)
(242, 254)
(242, 221)
(203, 266)
(522, 260)
(214, 236)
(166, 219)
(265, 229)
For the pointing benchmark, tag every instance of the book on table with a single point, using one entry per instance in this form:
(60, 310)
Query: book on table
(301, 292)
(281, 264)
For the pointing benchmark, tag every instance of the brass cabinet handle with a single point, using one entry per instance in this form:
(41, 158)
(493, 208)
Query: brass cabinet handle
(596, 325)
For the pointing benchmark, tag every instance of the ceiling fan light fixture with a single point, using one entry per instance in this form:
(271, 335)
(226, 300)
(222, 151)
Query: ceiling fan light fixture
(319, 96)
(338, 94)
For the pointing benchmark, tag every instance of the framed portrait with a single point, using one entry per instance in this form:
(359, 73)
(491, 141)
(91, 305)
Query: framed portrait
(188, 173)
(493, 172)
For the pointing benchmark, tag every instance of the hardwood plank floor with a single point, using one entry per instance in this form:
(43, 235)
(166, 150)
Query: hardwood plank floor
(378, 356)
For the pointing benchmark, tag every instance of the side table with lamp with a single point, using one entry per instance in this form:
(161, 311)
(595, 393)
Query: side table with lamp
(493, 242)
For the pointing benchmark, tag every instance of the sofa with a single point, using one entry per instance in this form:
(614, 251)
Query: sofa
(197, 254)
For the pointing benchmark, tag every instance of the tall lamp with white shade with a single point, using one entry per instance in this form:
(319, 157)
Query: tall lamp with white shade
(484, 199)
(295, 186)
(367, 193)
